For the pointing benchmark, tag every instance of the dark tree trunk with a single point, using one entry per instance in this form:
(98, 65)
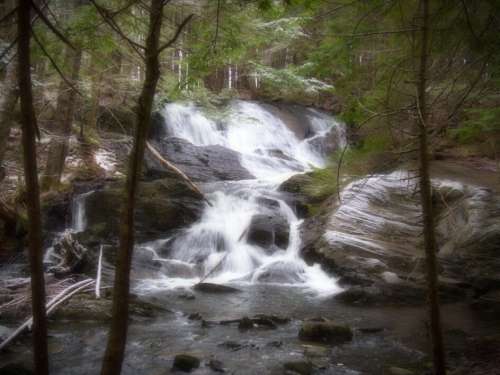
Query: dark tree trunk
(10, 96)
(66, 100)
(28, 122)
(426, 201)
(115, 349)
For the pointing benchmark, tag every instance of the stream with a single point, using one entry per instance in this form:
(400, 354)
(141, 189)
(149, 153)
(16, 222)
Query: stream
(274, 279)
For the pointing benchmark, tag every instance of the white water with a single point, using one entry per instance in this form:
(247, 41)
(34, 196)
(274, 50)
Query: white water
(217, 243)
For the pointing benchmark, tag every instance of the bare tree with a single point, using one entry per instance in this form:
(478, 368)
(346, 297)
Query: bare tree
(29, 131)
(115, 349)
(426, 198)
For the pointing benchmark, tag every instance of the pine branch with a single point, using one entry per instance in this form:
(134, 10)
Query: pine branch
(177, 34)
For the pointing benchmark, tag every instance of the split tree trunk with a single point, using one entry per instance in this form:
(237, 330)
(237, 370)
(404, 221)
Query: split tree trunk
(28, 123)
(426, 201)
(115, 349)
(66, 100)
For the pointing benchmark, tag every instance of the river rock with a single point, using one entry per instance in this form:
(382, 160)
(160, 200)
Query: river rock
(216, 365)
(214, 288)
(372, 239)
(268, 230)
(325, 333)
(299, 367)
(162, 206)
(199, 163)
(185, 362)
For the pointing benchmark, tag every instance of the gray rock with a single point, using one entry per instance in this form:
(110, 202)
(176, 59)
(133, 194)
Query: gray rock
(185, 363)
(214, 288)
(199, 163)
(299, 367)
(162, 207)
(268, 230)
(325, 333)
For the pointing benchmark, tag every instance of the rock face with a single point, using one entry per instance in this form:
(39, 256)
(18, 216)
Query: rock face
(270, 230)
(325, 333)
(199, 163)
(297, 196)
(372, 239)
(162, 206)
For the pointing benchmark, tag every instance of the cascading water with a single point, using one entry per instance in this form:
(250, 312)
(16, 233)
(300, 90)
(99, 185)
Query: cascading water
(217, 244)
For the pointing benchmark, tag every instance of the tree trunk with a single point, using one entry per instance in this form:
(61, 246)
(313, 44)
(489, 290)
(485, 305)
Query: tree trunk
(95, 92)
(113, 357)
(58, 149)
(28, 122)
(10, 97)
(426, 201)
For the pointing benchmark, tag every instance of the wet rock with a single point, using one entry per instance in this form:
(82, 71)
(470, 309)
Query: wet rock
(199, 163)
(245, 324)
(268, 230)
(216, 365)
(325, 332)
(231, 345)
(4, 333)
(162, 207)
(275, 344)
(297, 194)
(299, 367)
(371, 330)
(214, 288)
(281, 271)
(195, 316)
(399, 371)
(373, 240)
(15, 369)
(185, 363)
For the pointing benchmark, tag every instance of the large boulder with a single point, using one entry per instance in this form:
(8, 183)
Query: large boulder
(269, 230)
(162, 206)
(199, 163)
(372, 240)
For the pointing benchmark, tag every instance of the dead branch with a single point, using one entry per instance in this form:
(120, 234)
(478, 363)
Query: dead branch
(177, 171)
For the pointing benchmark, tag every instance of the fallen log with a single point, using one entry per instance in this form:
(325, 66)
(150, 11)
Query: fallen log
(51, 306)
(177, 171)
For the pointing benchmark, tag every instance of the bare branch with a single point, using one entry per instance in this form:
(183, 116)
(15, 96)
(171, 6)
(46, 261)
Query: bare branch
(52, 61)
(50, 25)
(177, 34)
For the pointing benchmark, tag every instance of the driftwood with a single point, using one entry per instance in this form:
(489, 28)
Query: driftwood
(51, 306)
(70, 254)
(177, 171)
(98, 276)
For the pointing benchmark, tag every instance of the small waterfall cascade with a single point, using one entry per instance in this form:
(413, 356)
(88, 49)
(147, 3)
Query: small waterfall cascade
(217, 247)
(78, 222)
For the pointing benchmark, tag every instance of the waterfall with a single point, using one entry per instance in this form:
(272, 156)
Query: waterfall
(78, 220)
(218, 243)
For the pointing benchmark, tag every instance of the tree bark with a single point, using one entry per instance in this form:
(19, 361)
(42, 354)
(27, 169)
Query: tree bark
(66, 100)
(115, 349)
(28, 123)
(10, 96)
(426, 201)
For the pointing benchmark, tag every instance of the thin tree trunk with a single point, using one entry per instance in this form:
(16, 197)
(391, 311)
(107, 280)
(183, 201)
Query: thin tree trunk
(426, 201)
(91, 118)
(66, 100)
(10, 96)
(28, 122)
(115, 349)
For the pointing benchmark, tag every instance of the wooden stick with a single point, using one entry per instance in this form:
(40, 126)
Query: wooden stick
(177, 171)
(51, 306)
(98, 277)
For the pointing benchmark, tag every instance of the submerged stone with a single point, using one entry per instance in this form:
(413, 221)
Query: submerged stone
(325, 333)
(299, 367)
(214, 288)
(185, 362)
